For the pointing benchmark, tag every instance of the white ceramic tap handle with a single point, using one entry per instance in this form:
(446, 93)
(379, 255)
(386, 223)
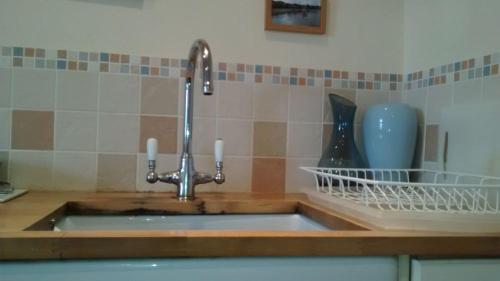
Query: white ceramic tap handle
(152, 148)
(219, 150)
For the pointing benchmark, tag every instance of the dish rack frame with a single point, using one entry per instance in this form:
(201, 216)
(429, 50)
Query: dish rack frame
(411, 190)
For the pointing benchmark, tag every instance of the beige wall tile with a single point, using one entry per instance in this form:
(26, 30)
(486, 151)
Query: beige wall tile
(164, 129)
(4, 167)
(5, 128)
(269, 139)
(77, 91)
(33, 130)
(268, 175)
(235, 100)
(438, 98)
(417, 99)
(237, 136)
(431, 143)
(159, 96)
(395, 97)
(305, 104)
(119, 93)
(116, 172)
(205, 164)
(164, 163)
(271, 102)
(204, 130)
(118, 133)
(468, 92)
(326, 136)
(75, 171)
(304, 140)
(76, 131)
(327, 108)
(33, 89)
(366, 99)
(31, 169)
(296, 178)
(238, 172)
(5, 94)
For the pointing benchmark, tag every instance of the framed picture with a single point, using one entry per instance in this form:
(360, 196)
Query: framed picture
(306, 16)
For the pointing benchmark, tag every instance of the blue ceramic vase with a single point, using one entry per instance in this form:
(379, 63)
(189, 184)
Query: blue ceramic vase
(341, 151)
(390, 134)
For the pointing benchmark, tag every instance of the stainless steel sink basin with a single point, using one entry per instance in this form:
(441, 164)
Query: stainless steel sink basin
(288, 222)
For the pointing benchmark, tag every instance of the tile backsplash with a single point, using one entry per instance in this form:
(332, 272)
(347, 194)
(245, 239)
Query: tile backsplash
(79, 120)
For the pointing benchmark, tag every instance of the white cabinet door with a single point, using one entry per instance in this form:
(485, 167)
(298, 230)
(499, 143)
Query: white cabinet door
(218, 269)
(456, 270)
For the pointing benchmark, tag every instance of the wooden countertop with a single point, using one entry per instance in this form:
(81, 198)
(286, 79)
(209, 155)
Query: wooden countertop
(351, 237)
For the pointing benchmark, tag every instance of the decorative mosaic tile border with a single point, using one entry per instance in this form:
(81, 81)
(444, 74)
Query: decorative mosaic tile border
(66, 60)
(469, 69)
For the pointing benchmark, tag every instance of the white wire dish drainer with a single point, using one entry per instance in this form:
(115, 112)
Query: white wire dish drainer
(415, 190)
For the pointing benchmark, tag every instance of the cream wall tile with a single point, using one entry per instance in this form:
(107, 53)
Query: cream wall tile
(119, 93)
(118, 133)
(305, 104)
(5, 128)
(31, 169)
(327, 107)
(75, 171)
(33, 89)
(304, 140)
(75, 131)
(395, 97)
(438, 98)
(159, 96)
(296, 178)
(164, 163)
(237, 136)
(467, 92)
(5, 78)
(271, 102)
(4, 167)
(238, 172)
(204, 106)
(235, 100)
(365, 99)
(491, 89)
(204, 130)
(77, 91)
(116, 172)
(206, 164)
(417, 99)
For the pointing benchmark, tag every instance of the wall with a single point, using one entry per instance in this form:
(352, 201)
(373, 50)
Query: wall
(445, 31)
(452, 59)
(361, 35)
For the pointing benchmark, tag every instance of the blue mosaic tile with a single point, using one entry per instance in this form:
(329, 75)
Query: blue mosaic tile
(222, 76)
(470, 74)
(276, 79)
(328, 73)
(164, 71)
(241, 77)
(258, 68)
(310, 82)
(124, 68)
(409, 77)
(184, 63)
(361, 85)
(487, 71)
(83, 56)
(479, 72)
(419, 83)
(393, 87)
(393, 77)
(293, 80)
(104, 57)
(376, 85)
(345, 84)
(40, 63)
(144, 70)
(61, 64)
(431, 81)
(457, 66)
(18, 51)
(6, 51)
(443, 69)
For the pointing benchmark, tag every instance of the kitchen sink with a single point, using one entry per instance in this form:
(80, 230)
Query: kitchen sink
(160, 214)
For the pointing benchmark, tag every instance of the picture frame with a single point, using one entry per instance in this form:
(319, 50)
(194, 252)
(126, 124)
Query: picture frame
(304, 16)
